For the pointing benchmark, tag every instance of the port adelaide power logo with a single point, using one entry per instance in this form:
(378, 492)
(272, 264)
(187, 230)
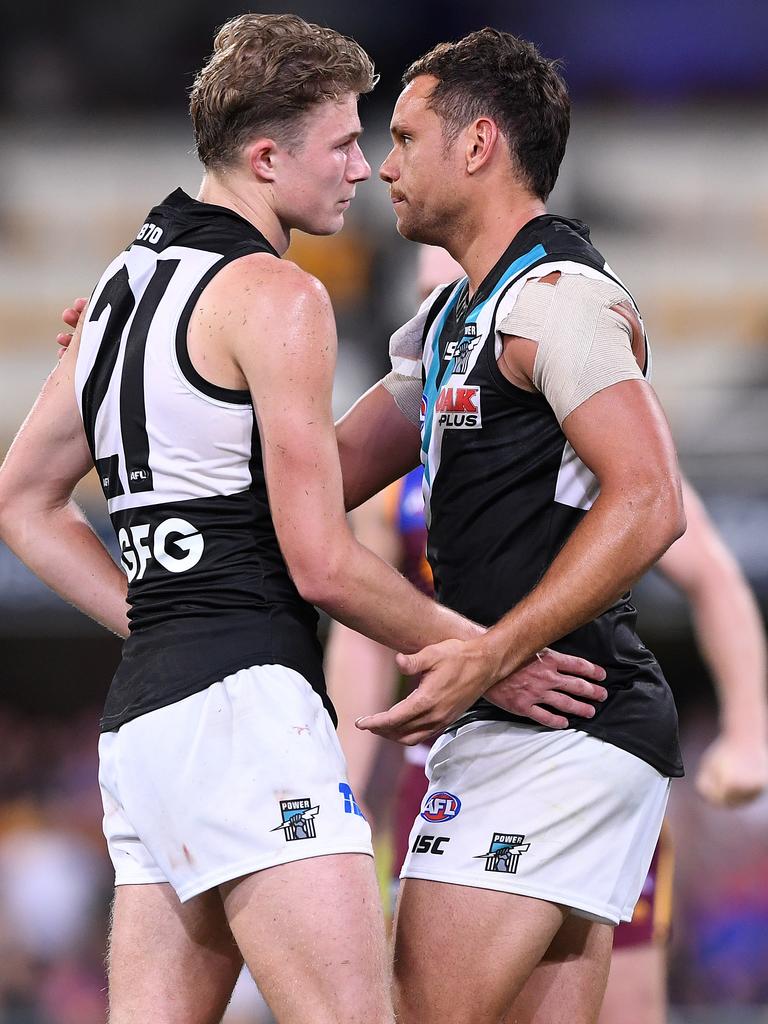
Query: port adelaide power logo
(298, 819)
(504, 852)
(460, 351)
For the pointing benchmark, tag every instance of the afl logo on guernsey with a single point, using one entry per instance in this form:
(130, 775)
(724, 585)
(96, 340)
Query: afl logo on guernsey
(459, 408)
(441, 807)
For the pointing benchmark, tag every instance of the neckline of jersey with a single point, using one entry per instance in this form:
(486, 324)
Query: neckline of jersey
(179, 199)
(517, 247)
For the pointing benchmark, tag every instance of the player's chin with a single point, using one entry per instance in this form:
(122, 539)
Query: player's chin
(330, 225)
(411, 230)
(328, 222)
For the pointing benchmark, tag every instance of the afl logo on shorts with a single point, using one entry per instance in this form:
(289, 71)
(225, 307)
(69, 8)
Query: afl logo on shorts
(441, 807)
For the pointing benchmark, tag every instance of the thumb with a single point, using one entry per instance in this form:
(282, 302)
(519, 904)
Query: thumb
(411, 664)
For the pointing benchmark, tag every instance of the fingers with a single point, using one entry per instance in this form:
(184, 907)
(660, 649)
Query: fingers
(578, 687)
(568, 705)
(720, 793)
(72, 313)
(544, 717)
(573, 666)
(410, 721)
(427, 657)
(407, 733)
(708, 790)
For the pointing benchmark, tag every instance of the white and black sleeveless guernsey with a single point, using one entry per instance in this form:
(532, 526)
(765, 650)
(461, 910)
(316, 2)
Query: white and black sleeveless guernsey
(503, 488)
(180, 464)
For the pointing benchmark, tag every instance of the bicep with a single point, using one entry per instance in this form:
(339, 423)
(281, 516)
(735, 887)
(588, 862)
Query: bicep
(290, 376)
(377, 445)
(50, 453)
(622, 435)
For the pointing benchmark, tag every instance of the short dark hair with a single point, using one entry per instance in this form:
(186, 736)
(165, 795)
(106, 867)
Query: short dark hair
(495, 74)
(265, 72)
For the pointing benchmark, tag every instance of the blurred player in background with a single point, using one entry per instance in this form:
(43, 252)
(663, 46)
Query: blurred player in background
(362, 677)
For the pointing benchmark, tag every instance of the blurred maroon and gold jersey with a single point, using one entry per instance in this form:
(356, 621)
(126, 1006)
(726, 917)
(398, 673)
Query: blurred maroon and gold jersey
(653, 913)
(406, 511)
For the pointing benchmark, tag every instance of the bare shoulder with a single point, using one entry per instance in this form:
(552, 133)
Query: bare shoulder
(263, 308)
(263, 280)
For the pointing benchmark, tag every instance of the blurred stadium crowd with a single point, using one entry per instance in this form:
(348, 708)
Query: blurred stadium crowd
(667, 162)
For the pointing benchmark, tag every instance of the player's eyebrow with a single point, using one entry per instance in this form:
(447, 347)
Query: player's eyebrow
(350, 136)
(398, 129)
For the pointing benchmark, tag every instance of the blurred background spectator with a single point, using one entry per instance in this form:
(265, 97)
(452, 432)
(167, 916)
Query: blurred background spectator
(668, 162)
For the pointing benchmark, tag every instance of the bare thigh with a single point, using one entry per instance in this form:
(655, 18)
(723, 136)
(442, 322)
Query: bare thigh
(462, 954)
(312, 934)
(637, 986)
(567, 986)
(169, 962)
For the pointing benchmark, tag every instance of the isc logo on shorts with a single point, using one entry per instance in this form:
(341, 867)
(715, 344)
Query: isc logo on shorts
(459, 407)
(441, 807)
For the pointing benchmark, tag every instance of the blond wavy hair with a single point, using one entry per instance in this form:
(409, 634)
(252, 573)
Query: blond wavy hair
(266, 71)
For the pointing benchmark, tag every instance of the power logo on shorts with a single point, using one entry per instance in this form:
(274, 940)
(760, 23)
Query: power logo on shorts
(440, 807)
(504, 852)
(298, 819)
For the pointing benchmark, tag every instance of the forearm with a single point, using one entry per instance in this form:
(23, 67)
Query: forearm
(59, 546)
(377, 446)
(731, 639)
(359, 589)
(616, 542)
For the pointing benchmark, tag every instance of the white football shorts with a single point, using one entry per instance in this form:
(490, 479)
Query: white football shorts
(244, 775)
(556, 815)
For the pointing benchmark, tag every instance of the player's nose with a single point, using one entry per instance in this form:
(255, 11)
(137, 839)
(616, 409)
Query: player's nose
(388, 171)
(360, 169)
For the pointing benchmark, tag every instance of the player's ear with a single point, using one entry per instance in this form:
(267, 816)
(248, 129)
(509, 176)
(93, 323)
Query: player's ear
(482, 137)
(261, 155)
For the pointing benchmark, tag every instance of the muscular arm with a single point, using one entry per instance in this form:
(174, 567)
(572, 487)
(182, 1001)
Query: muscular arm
(731, 638)
(288, 364)
(377, 445)
(41, 523)
(622, 436)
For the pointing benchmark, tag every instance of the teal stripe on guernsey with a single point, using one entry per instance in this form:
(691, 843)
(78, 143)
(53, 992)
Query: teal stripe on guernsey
(430, 386)
(433, 386)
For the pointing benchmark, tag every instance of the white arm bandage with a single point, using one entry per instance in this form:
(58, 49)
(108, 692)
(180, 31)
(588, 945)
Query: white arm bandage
(406, 392)
(405, 350)
(583, 345)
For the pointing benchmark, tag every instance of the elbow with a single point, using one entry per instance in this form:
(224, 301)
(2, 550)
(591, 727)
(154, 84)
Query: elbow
(318, 580)
(667, 521)
(314, 589)
(677, 520)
